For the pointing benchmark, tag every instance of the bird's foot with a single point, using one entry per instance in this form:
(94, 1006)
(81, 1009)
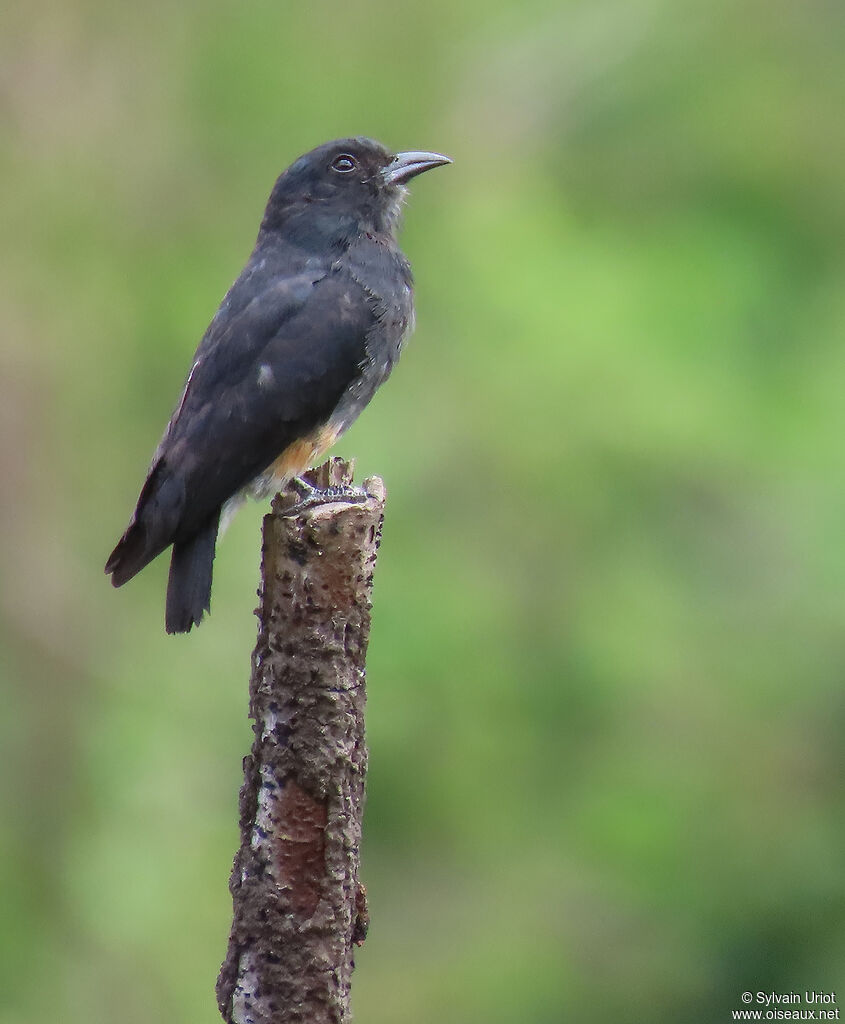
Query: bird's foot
(311, 496)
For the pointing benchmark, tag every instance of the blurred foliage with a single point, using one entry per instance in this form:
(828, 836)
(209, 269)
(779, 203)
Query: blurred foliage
(606, 701)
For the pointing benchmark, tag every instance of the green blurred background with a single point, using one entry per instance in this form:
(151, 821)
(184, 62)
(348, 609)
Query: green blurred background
(606, 666)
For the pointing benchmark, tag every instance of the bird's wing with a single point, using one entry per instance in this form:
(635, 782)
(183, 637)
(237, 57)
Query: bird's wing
(269, 372)
(266, 377)
(250, 316)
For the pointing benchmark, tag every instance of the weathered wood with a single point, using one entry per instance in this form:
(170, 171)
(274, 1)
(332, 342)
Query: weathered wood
(299, 909)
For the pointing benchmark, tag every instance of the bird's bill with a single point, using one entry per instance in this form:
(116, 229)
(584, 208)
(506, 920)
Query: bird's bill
(405, 166)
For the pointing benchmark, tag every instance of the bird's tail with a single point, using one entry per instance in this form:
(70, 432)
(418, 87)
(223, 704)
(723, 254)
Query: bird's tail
(189, 585)
(132, 553)
(151, 528)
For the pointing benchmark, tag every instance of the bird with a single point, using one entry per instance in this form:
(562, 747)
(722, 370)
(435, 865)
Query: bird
(302, 340)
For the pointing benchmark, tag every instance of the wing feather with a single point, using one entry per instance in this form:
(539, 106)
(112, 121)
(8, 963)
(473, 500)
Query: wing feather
(272, 367)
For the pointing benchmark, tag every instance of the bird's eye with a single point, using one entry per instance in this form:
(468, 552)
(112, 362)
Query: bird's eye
(344, 163)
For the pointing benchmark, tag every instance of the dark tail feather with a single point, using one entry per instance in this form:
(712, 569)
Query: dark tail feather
(151, 528)
(131, 555)
(189, 586)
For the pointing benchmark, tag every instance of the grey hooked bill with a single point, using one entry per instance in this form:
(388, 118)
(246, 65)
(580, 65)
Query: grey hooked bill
(407, 165)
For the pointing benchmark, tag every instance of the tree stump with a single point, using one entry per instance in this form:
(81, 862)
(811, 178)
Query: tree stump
(299, 909)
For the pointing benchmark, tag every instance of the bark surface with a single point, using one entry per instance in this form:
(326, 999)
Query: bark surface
(299, 909)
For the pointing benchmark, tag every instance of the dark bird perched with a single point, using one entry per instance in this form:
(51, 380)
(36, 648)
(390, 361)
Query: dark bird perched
(301, 342)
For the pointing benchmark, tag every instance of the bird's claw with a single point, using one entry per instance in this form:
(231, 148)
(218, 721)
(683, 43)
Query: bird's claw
(311, 496)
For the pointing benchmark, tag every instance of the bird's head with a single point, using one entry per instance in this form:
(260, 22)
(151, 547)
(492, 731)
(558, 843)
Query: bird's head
(345, 186)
